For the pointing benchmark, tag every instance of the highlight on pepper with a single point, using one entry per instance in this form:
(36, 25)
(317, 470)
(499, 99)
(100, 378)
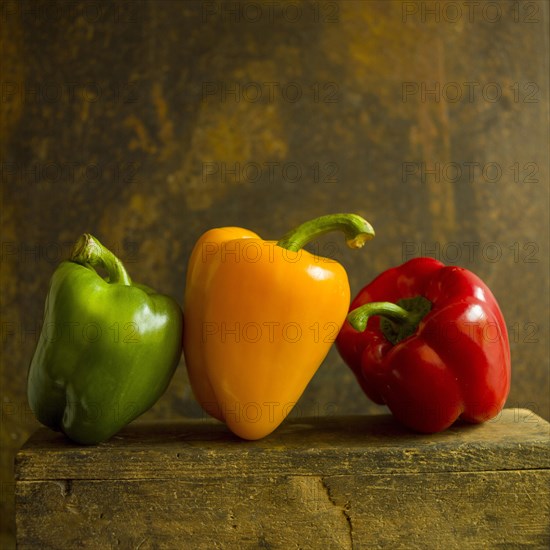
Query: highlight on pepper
(257, 330)
(430, 342)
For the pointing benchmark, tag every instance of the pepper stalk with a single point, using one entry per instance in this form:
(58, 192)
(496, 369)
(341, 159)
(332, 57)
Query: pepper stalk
(88, 251)
(357, 231)
(398, 321)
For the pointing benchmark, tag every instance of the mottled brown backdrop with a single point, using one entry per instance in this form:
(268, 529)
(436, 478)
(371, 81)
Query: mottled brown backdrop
(147, 123)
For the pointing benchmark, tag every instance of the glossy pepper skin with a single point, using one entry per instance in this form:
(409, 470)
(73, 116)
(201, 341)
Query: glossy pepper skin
(260, 318)
(107, 350)
(448, 357)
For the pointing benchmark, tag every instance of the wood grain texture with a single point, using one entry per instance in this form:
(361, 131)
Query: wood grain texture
(291, 511)
(345, 482)
(517, 439)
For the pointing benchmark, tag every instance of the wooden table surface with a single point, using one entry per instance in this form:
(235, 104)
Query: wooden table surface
(332, 482)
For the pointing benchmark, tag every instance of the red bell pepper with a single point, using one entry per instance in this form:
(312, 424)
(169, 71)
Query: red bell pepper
(430, 342)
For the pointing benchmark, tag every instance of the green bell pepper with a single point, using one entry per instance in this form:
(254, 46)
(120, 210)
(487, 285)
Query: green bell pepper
(107, 349)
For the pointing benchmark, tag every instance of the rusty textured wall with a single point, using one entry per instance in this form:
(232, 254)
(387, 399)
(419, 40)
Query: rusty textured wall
(147, 123)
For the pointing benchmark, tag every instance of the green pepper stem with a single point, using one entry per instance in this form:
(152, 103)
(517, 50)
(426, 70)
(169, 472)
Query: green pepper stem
(398, 321)
(356, 230)
(90, 252)
(359, 317)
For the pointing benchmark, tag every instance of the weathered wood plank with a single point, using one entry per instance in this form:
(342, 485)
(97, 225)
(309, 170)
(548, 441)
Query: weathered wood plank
(342, 482)
(516, 440)
(437, 510)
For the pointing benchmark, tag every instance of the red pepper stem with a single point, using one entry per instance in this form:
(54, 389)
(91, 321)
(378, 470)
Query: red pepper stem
(356, 230)
(359, 317)
(398, 321)
(88, 251)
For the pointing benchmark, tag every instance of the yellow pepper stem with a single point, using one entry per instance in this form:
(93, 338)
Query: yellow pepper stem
(356, 229)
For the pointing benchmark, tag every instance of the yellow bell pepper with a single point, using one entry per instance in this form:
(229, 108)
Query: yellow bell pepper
(260, 317)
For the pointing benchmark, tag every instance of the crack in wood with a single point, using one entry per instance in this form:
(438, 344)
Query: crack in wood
(343, 509)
